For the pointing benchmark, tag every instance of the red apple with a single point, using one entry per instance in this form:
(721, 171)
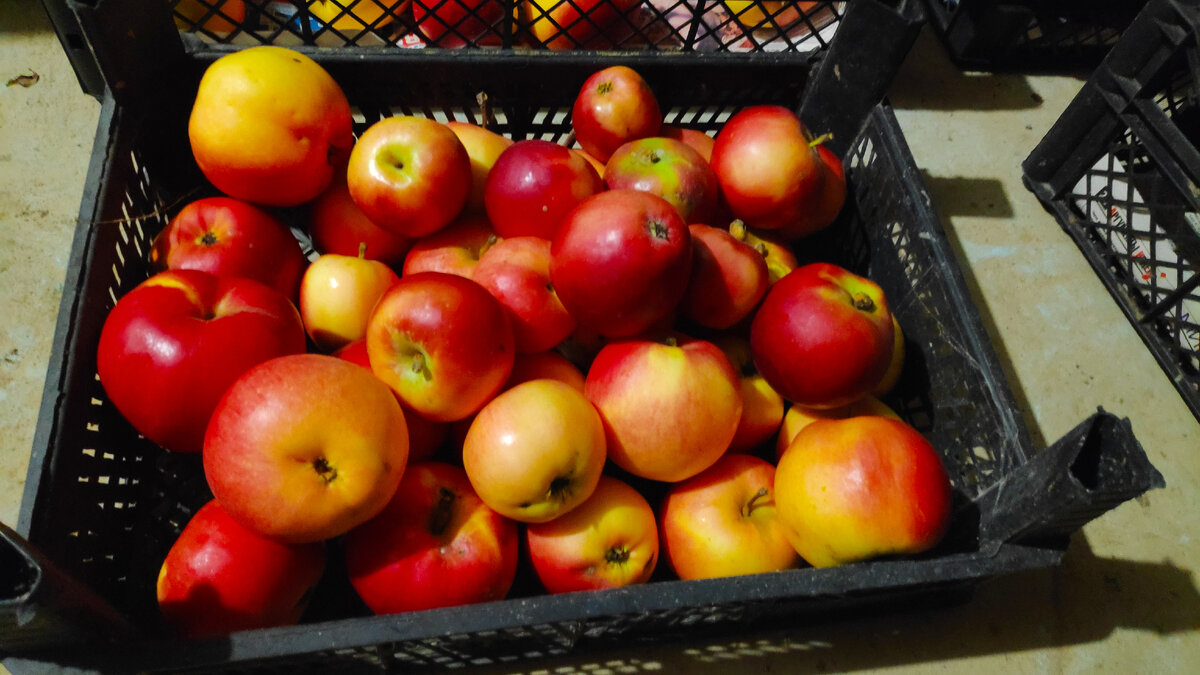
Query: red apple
(409, 175)
(454, 249)
(533, 185)
(171, 347)
(442, 343)
(536, 451)
(670, 409)
(728, 278)
(698, 140)
(769, 174)
(852, 489)
(670, 169)
(722, 522)
(457, 23)
(517, 272)
(337, 296)
(609, 541)
(425, 437)
(484, 147)
(762, 406)
(828, 202)
(614, 106)
(621, 261)
(219, 577)
(823, 336)
(230, 238)
(436, 544)
(337, 225)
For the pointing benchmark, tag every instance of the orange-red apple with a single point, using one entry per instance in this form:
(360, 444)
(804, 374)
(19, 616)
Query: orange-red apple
(454, 249)
(797, 417)
(337, 225)
(559, 24)
(828, 202)
(699, 141)
(728, 279)
(517, 272)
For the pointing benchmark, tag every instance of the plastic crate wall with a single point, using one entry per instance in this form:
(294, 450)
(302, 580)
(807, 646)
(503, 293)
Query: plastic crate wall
(1121, 173)
(1029, 34)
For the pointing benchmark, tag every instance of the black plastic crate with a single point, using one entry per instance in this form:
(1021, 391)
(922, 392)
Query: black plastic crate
(1120, 171)
(103, 505)
(1030, 34)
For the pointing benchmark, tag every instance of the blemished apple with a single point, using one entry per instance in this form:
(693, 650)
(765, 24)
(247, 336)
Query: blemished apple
(533, 185)
(762, 406)
(857, 488)
(338, 294)
(822, 336)
(170, 348)
(454, 249)
(484, 147)
(768, 172)
(728, 278)
(670, 169)
(337, 225)
(670, 407)
(517, 272)
(409, 175)
(620, 263)
(443, 343)
(269, 125)
(219, 577)
(435, 544)
(536, 451)
(609, 541)
(230, 238)
(305, 447)
(797, 417)
(615, 105)
(722, 522)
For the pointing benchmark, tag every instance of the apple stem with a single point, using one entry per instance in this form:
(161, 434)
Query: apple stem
(738, 229)
(439, 518)
(362, 250)
(485, 110)
(750, 505)
(863, 302)
(821, 140)
(670, 341)
(492, 240)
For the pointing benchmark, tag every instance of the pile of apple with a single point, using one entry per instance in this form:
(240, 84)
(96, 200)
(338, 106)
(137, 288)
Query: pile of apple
(497, 341)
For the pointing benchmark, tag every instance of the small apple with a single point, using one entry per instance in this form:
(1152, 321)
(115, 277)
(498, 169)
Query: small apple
(857, 488)
(614, 106)
(797, 417)
(620, 262)
(670, 169)
(728, 279)
(670, 408)
(337, 225)
(722, 522)
(699, 141)
(454, 249)
(171, 347)
(219, 577)
(533, 185)
(337, 296)
(484, 147)
(609, 541)
(443, 343)
(822, 336)
(305, 447)
(536, 451)
(517, 272)
(409, 175)
(762, 406)
(435, 544)
(230, 238)
(778, 254)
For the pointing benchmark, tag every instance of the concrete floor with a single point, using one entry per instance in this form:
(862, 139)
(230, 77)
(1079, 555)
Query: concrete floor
(1125, 599)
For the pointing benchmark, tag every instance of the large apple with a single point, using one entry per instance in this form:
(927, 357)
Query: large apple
(609, 541)
(171, 347)
(517, 272)
(219, 577)
(768, 172)
(484, 147)
(533, 185)
(852, 489)
(338, 294)
(822, 336)
(728, 279)
(457, 23)
(670, 408)
(762, 406)
(409, 175)
(305, 447)
(563, 24)
(620, 263)
(268, 125)
(722, 522)
(536, 451)
(436, 544)
(454, 249)
(614, 106)
(443, 343)
(670, 169)
(797, 417)
(337, 225)
(230, 238)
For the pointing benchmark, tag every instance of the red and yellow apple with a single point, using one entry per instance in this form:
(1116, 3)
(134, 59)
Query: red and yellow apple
(797, 417)
(454, 249)
(338, 294)
(559, 24)
(483, 147)
(517, 272)
(775, 250)
(699, 141)
(728, 278)
(533, 185)
(615, 105)
(337, 225)
(828, 202)
(670, 169)
(545, 365)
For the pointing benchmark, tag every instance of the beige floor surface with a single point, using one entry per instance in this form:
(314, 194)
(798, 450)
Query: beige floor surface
(1124, 600)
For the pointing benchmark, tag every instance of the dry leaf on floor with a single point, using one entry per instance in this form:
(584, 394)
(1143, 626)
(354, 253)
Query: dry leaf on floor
(25, 80)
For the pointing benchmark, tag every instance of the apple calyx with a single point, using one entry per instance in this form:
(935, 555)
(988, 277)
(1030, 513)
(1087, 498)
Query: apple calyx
(209, 238)
(443, 510)
(604, 87)
(617, 555)
(863, 302)
(658, 229)
(755, 502)
(325, 470)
